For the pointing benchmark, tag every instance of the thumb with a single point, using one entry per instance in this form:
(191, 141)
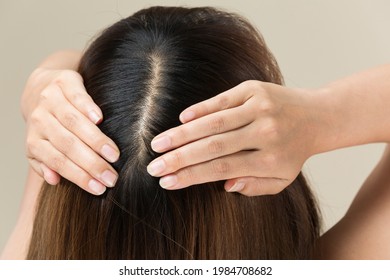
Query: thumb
(50, 176)
(253, 186)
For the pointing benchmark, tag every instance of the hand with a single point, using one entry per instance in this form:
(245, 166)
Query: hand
(256, 135)
(62, 136)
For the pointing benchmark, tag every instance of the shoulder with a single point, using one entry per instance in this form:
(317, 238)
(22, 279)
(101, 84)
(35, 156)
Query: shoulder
(363, 233)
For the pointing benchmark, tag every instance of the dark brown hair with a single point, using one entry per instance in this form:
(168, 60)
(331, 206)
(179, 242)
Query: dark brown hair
(143, 71)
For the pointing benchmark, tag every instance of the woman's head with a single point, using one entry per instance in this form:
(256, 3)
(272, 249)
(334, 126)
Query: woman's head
(142, 72)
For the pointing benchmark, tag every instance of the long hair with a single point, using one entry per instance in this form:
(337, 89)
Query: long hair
(142, 72)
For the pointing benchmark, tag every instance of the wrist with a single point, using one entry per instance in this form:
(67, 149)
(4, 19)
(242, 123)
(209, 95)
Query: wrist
(346, 117)
(323, 118)
(27, 100)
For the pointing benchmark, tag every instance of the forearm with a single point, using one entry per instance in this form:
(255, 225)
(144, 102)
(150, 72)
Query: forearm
(353, 110)
(66, 59)
(358, 113)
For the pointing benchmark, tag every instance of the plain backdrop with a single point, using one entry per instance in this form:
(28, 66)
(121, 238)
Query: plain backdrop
(314, 42)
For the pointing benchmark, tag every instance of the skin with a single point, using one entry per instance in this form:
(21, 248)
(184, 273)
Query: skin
(62, 136)
(273, 120)
(17, 245)
(363, 233)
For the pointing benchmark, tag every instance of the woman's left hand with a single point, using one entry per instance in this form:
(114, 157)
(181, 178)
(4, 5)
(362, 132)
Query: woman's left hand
(256, 136)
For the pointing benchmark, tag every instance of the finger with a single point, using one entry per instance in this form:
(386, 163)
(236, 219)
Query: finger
(50, 176)
(72, 86)
(80, 126)
(203, 150)
(36, 166)
(79, 153)
(254, 186)
(244, 163)
(215, 123)
(59, 163)
(66, 143)
(225, 100)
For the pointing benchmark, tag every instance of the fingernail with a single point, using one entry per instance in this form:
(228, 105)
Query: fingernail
(96, 187)
(156, 167)
(110, 153)
(161, 143)
(93, 116)
(187, 116)
(168, 181)
(238, 186)
(109, 178)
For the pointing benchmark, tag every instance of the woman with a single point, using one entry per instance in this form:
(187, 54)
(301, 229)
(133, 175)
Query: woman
(317, 121)
(142, 72)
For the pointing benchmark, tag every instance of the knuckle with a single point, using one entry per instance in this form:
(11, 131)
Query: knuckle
(269, 130)
(223, 102)
(216, 125)
(216, 147)
(58, 163)
(187, 175)
(77, 96)
(271, 127)
(266, 105)
(253, 87)
(44, 94)
(70, 120)
(250, 85)
(65, 76)
(35, 118)
(67, 143)
(220, 168)
(180, 133)
(31, 147)
(49, 94)
(177, 160)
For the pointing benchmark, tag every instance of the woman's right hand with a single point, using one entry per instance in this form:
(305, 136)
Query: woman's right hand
(62, 136)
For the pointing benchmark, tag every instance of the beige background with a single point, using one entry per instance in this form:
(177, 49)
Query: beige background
(314, 42)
